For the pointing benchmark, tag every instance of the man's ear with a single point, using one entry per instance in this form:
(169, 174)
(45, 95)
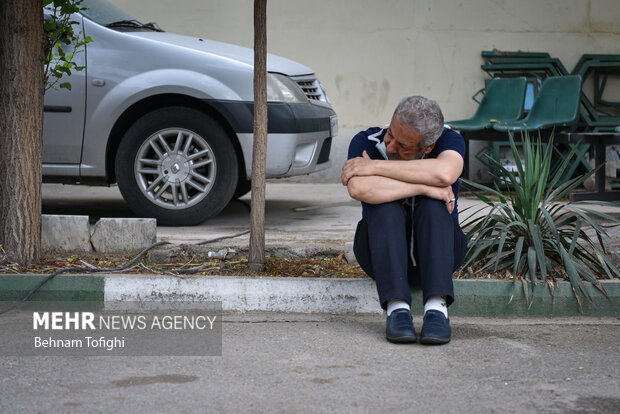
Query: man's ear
(429, 148)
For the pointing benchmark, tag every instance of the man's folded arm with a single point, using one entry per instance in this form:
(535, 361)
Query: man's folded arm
(375, 189)
(439, 172)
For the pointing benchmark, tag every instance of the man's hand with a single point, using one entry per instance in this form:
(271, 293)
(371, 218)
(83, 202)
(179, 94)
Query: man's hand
(359, 166)
(444, 194)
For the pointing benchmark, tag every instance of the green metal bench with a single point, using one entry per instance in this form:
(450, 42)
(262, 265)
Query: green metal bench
(533, 65)
(503, 101)
(557, 105)
(598, 114)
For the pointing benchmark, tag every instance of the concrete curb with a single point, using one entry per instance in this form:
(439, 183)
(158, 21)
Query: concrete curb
(70, 234)
(61, 288)
(65, 233)
(307, 295)
(493, 298)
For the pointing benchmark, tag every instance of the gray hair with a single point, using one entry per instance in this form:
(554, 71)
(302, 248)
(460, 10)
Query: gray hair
(422, 115)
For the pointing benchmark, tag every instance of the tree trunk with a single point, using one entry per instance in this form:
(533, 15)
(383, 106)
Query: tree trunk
(256, 257)
(21, 128)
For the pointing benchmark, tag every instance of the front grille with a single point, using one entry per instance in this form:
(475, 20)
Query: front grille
(311, 87)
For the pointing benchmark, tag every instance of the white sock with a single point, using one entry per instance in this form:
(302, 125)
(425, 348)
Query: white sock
(436, 302)
(397, 304)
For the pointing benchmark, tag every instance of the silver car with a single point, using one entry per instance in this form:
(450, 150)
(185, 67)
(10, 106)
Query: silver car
(169, 118)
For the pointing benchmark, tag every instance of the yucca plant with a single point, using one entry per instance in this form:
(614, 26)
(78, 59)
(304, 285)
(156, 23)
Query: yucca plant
(532, 232)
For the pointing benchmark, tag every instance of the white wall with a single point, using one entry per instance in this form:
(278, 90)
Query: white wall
(369, 54)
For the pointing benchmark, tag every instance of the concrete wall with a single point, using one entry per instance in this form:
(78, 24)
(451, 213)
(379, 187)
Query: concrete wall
(369, 54)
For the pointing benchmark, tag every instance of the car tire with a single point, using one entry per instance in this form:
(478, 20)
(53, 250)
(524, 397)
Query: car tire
(177, 165)
(243, 187)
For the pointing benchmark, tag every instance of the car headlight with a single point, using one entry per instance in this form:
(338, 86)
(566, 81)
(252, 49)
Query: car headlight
(281, 88)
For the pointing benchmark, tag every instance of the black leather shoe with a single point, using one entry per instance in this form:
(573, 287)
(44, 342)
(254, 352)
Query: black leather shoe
(436, 329)
(399, 327)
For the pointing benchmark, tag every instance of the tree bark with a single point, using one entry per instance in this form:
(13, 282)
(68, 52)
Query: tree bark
(256, 257)
(21, 128)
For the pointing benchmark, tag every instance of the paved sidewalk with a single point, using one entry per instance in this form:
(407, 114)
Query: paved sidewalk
(300, 219)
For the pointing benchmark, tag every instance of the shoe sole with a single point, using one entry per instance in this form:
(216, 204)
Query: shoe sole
(402, 339)
(434, 341)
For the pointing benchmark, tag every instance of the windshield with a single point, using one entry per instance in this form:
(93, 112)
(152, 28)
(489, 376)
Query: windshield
(104, 12)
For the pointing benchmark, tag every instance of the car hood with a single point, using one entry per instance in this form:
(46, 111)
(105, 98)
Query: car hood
(226, 50)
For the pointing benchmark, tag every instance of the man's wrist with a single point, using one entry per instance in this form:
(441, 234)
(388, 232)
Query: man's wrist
(380, 168)
(424, 190)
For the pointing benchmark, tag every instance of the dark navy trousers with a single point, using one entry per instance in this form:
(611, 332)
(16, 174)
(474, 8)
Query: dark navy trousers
(382, 245)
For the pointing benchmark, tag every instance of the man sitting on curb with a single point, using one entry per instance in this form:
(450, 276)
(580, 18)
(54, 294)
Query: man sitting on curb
(406, 176)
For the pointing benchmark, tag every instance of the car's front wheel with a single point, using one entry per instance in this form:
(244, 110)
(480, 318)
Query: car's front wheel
(177, 165)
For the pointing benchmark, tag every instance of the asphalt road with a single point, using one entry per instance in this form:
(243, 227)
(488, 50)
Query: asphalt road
(282, 363)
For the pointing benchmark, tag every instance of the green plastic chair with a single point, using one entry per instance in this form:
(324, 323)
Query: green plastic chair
(503, 101)
(556, 105)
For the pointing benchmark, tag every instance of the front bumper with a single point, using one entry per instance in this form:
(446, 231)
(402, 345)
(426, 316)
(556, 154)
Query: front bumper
(299, 135)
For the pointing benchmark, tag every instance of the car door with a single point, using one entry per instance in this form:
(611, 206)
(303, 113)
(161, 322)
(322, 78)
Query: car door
(63, 120)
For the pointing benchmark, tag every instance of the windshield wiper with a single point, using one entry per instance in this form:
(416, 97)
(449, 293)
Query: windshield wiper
(135, 24)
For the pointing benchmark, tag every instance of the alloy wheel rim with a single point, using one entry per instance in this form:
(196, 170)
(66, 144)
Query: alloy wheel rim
(175, 168)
